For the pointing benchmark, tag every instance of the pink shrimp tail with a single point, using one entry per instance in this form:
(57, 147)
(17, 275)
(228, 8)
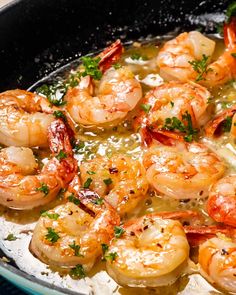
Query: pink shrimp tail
(230, 34)
(110, 55)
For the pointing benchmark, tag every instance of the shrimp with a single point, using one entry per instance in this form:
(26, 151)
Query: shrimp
(221, 205)
(107, 101)
(120, 180)
(79, 231)
(151, 252)
(174, 99)
(176, 58)
(24, 119)
(217, 260)
(20, 187)
(183, 171)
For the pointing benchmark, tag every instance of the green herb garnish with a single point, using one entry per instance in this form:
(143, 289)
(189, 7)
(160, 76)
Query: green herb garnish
(52, 236)
(10, 238)
(104, 248)
(43, 188)
(145, 107)
(59, 115)
(107, 181)
(119, 231)
(77, 272)
(76, 249)
(231, 11)
(73, 199)
(50, 215)
(172, 104)
(91, 67)
(54, 93)
(137, 56)
(78, 147)
(91, 172)
(88, 182)
(175, 124)
(111, 256)
(200, 66)
(233, 54)
(226, 125)
(117, 66)
(98, 201)
(61, 155)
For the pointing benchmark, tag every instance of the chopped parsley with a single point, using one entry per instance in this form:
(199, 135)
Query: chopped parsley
(137, 56)
(91, 172)
(52, 236)
(145, 107)
(172, 104)
(50, 215)
(117, 66)
(91, 67)
(104, 248)
(76, 249)
(226, 125)
(107, 181)
(226, 104)
(73, 199)
(111, 256)
(175, 124)
(200, 66)
(78, 147)
(61, 155)
(233, 54)
(54, 93)
(43, 188)
(10, 238)
(77, 272)
(231, 11)
(98, 201)
(88, 182)
(118, 231)
(59, 115)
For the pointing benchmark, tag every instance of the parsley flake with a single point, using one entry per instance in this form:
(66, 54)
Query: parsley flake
(119, 231)
(111, 256)
(200, 66)
(117, 66)
(145, 107)
(88, 182)
(137, 56)
(61, 155)
(107, 181)
(52, 236)
(104, 248)
(76, 249)
(233, 54)
(73, 199)
(59, 115)
(54, 93)
(77, 272)
(43, 188)
(231, 11)
(98, 201)
(50, 215)
(10, 238)
(91, 172)
(226, 125)
(91, 67)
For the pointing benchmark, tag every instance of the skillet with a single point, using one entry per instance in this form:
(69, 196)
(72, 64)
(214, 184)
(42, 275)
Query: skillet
(40, 36)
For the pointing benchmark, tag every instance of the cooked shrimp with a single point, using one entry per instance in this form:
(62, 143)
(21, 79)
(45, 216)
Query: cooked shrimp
(174, 99)
(24, 119)
(152, 252)
(221, 205)
(78, 232)
(20, 187)
(176, 56)
(107, 101)
(120, 180)
(183, 171)
(217, 259)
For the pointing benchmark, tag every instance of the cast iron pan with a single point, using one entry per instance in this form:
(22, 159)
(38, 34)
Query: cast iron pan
(39, 36)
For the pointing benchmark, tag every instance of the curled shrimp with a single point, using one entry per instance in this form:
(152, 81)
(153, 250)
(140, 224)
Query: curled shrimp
(152, 252)
(120, 180)
(176, 57)
(174, 99)
(221, 205)
(107, 101)
(21, 187)
(183, 171)
(217, 260)
(79, 228)
(24, 119)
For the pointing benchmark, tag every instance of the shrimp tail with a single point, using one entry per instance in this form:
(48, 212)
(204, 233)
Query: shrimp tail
(230, 34)
(196, 235)
(213, 127)
(59, 137)
(110, 55)
(165, 137)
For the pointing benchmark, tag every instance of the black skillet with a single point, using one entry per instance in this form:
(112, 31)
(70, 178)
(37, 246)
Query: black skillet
(39, 36)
